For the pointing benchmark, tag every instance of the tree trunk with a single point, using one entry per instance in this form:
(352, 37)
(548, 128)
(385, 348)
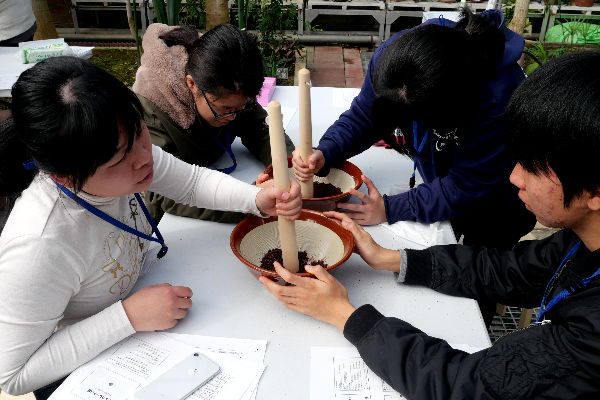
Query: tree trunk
(517, 24)
(130, 20)
(217, 13)
(45, 26)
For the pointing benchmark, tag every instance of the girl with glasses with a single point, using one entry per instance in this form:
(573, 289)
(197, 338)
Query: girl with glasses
(80, 235)
(198, 94)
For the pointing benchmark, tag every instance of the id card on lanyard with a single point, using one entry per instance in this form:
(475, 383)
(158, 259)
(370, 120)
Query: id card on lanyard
(152, 256)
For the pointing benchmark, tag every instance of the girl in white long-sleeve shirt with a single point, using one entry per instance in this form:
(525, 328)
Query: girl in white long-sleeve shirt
(64, 272)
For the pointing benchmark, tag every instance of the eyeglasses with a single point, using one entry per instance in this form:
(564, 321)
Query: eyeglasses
(247, 107)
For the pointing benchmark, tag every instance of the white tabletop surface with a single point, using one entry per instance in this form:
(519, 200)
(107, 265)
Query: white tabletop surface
(9, 65)
(230, 302)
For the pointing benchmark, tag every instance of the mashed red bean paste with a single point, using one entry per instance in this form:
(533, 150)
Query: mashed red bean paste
(325, 190)
(276, 255)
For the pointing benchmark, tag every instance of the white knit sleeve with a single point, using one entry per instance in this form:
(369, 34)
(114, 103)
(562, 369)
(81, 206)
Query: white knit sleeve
(39, 277)
(201, 187)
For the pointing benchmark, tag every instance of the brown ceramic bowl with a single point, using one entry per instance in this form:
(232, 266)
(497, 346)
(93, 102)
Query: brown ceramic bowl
(347, 169)
(252, 238)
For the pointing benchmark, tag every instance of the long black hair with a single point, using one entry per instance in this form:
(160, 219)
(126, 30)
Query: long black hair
(65, 118)
(553, 122)
(223, 61)
(433, 70)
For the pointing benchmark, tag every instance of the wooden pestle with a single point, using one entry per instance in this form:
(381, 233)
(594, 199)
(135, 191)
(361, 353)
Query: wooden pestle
(287, 229)
(305, 127)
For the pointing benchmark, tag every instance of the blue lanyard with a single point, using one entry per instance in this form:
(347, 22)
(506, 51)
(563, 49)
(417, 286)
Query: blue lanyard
(227, 170)
(119, 224)
(411, 182)
(565, 292)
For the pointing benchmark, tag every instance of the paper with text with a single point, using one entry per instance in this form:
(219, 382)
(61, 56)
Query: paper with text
(129, 364)
(138, 357)
(121, 370)
(233, 382)
(104, 384)
(339, 373)
(245, 349)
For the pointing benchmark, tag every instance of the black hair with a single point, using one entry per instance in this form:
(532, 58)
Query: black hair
(433, 71)
(553, 122)
(223, 61)
(65, 117)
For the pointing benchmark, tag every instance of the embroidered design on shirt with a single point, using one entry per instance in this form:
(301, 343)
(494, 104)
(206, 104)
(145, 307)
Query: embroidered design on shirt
(134, 212)
(443, 140)
(125, 271)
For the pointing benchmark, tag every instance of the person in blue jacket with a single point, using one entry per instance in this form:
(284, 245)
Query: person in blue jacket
(552, 130)
(437, 93)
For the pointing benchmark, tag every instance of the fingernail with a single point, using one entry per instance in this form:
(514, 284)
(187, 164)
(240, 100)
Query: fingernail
(284, 196)
(308, 267)
(344, 223)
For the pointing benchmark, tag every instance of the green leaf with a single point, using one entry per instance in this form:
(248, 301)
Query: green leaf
(530, 68)
(173, 7)
(159, 8)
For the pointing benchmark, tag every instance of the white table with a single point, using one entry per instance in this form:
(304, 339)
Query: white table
(9, 65)
(229, 302)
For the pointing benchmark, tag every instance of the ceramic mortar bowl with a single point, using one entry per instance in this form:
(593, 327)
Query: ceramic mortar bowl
(321, 237)
(346, 176)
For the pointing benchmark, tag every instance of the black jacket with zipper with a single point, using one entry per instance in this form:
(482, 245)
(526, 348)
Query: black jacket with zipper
(556, 360)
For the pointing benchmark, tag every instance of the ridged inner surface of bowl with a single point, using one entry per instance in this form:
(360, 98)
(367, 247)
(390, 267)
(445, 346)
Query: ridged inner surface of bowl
(319, 242)
(336, 177)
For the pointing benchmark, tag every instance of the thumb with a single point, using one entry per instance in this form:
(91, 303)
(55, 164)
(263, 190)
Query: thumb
(276, 193)
(370, 186)
(318, 271)
(312, 160)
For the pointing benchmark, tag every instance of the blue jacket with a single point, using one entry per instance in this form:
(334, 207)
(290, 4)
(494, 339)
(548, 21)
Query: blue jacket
(465, 170)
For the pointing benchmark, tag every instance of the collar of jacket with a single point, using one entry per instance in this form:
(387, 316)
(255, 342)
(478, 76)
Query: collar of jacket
(582, 265)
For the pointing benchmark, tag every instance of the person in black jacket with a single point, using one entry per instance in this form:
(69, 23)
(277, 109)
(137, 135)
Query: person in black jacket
(553, 132)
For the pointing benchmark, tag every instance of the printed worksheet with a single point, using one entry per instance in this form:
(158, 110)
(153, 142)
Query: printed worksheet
(139, 357)
(123, 369)
(244, 349)
(233, 382)
(339, 373)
